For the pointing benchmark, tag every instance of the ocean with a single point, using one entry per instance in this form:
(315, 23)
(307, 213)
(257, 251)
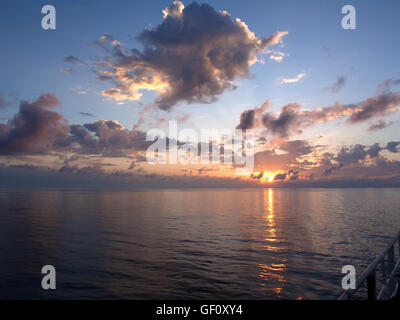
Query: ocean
(191, 244)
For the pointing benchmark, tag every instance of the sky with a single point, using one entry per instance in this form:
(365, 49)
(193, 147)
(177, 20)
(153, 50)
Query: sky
(77, 102)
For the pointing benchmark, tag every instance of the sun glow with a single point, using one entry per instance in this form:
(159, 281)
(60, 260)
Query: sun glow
(268, 177)
(265, 176)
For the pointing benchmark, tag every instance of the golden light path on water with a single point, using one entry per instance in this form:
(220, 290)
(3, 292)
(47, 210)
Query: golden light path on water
(273, 271)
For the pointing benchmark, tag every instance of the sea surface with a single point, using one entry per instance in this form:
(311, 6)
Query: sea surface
(192, 243)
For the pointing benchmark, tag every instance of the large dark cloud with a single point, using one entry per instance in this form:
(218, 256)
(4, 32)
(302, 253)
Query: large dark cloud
(374, 150)
(250, 118)
(287, 119)
(293, 118)
(351, 155)
(193, 55)
(35, 128)
(282, 157)
(361, 159)
(297, 147)
(107, 138)
(358, 152)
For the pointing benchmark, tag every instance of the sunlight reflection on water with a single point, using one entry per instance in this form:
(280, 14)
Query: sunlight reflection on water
(191, 244)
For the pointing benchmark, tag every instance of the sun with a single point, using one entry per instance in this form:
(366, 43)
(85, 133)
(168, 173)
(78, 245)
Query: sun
(264, 176)
(268, 177)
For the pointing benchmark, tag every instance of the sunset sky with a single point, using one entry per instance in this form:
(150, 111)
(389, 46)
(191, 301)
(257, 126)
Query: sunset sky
(76, 102)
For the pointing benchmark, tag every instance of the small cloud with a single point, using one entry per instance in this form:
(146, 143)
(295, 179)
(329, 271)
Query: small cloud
(386, 85)
(392, 146)
(66, 70)
(338, 84)
(278, 56)
(327, 50)
(381, 124)
(295, 79)
(86, 114)
(74, 60)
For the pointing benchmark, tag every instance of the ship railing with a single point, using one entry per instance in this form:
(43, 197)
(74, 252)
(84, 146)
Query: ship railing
(388, 267)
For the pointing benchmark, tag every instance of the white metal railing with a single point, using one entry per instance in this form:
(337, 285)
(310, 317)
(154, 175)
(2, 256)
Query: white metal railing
(386, 263)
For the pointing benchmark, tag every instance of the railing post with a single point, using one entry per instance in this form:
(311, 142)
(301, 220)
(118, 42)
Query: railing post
(371, 285)
(398, 242)
(383, 270)
(389, 278)
(391, 258)
(391, 264)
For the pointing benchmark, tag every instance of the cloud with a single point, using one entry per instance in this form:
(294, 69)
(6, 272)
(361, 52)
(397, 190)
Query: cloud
(293, 119)
(94, 177)
(174, 10)
(392, 146)
(294, 79)
(250, 118)
(374, 150)
(386, 84)
(377, 106)
(194, 55)
(280, 176)
(299, 160)
(327, 50)
(86, 114)
(35, 128)
(338, 84)
(296, 147)
(357, 156)
(381, 124)
(293, 175)
(358, 153)
(66, 70)
(290, 175)
(285, 121)
(351, 155)
(74, 60)
(106, 137)
(329, 171)
(276, 55)
(283, 156)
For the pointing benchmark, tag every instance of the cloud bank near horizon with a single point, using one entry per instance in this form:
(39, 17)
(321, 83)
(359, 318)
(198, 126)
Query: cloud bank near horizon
(37, 130)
